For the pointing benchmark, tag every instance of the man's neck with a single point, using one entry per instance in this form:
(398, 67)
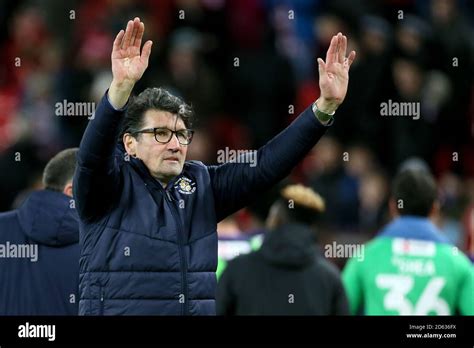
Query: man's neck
(163, 181)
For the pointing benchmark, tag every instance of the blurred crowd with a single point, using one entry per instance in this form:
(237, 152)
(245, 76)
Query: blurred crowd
(249, 68)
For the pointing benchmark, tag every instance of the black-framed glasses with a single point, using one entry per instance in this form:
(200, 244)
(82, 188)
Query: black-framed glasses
(164, 135)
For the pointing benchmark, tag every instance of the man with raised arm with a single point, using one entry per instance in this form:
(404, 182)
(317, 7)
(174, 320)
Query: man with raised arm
(148, 217)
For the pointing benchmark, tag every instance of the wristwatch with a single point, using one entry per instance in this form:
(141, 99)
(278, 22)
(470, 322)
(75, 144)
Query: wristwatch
(322, 116)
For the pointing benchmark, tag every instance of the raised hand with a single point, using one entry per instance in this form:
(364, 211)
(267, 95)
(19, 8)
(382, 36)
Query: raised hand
(128, 65)
(334, 74)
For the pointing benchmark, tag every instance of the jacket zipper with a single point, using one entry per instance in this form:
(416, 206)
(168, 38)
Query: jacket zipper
(101, 311)
(184, 288)
(184, 282)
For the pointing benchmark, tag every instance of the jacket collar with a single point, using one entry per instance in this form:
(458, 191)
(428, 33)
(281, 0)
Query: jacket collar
(290, 245)
(413, 227)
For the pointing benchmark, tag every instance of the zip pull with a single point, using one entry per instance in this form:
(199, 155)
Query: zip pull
(169, 196)
(102, 303)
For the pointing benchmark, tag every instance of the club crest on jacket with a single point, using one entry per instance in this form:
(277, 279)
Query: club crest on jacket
(185, 186)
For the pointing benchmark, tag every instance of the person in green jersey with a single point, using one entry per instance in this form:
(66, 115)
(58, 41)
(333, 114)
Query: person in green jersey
(409, 268)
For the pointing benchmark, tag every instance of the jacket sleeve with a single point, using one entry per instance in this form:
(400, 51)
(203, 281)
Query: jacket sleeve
(235, 185)
(97, 180)
(340, 303)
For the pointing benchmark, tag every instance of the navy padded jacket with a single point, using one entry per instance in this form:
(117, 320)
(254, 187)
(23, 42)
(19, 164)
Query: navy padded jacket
(45, 283)
(147, 250)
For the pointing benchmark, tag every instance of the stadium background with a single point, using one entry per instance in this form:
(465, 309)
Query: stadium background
(426, 56)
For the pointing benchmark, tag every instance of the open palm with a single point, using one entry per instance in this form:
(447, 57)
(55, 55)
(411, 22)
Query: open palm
(334, 73)
(127, 63)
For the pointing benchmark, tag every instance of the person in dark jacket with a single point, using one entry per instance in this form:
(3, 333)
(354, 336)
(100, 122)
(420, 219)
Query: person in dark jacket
(39, 247)
(288, 275)
(148, 217)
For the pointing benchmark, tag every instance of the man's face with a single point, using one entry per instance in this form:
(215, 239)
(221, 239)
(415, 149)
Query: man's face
(164, 161)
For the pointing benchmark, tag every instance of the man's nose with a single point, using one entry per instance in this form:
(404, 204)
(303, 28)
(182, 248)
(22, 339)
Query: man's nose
(174, 144)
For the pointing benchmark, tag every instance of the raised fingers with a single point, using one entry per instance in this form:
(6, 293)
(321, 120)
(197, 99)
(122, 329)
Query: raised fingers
(128, 35)
(136, 27)
(342, 48)
(339, 54)
(139, 36)
(351, 58)
(331, 53)
(118, 41)
(146, 52)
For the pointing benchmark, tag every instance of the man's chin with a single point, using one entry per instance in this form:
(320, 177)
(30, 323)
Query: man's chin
(172, 169)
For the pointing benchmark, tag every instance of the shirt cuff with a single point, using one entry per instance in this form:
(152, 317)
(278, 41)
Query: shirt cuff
(123, 108)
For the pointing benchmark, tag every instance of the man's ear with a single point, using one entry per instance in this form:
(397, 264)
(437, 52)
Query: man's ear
(435, 210)
(68, 189)
(130, 144)
(392, 208)
(273, 218)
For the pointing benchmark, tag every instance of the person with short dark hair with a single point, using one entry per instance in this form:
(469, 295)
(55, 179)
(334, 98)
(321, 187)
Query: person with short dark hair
(287, 275)
(156, 99)
(147, 216)
(59, 171)
(39, 247)
(409, 268)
